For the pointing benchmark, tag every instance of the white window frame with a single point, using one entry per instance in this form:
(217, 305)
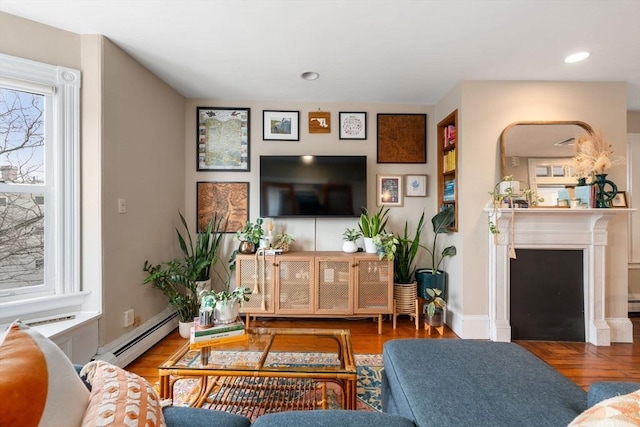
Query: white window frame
(62, 218)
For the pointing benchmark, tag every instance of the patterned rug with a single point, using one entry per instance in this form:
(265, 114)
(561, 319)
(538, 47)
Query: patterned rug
(368, 366)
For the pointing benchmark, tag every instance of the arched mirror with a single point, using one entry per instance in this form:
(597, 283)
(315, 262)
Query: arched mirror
(539, 154)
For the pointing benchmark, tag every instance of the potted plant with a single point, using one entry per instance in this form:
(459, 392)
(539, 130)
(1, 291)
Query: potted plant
(370, 226)
(434, 309)
(249, 236)
(407, 249)
(433, 277)
(282, 241)
(350, 236)
(226, 303)
(180, 279)
(385, 244)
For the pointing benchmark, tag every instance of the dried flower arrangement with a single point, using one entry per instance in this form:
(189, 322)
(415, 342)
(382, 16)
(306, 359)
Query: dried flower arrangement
(593, 155)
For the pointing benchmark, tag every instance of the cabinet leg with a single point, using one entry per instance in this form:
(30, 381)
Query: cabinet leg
(379, 324)
(417, 319)
(395, 314)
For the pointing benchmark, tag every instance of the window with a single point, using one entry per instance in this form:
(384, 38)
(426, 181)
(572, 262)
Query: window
(39, 183)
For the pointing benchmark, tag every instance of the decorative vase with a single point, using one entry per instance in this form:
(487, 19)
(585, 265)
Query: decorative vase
(369, 246)
(185, 329)
(226, 311)
(247, 247)
(605, 191)
(581, 182)
(349, 247)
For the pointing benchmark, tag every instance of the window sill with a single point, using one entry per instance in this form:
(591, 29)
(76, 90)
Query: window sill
(45, 307)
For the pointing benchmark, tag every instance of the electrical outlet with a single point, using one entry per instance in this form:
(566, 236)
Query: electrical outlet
(128, 318)
(122, 206)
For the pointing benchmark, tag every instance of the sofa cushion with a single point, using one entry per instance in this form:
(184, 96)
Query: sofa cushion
(617, 411)
(184, 416)
(119, 398)
(38, 384)
(602, 390)
(480, 383)
(342, 418)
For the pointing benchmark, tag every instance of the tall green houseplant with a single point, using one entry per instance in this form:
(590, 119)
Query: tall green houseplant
(177, 279)
(404, 266)
(434, 278)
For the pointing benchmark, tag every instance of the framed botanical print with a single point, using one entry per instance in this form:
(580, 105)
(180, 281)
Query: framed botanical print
(389, 190)
(280, 125)
(415, 185)
(353, 125)
(227, 199)
(223, 139)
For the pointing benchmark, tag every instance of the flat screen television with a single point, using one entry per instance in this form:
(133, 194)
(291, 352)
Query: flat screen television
(312, 186)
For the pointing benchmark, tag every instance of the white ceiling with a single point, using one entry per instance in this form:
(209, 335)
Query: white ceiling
(398, 51)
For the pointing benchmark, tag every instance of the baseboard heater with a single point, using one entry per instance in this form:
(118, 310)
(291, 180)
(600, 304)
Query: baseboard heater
(130, 346)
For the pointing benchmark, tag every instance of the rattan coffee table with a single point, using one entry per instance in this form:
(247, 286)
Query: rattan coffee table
(250, 374)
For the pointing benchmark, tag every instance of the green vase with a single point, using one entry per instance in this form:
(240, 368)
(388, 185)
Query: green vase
(605, 191)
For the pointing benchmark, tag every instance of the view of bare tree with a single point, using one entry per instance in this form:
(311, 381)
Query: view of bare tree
(22, 140)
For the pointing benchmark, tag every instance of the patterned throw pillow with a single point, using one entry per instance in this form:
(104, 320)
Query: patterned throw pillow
(38, 384)
(620, 411)
(120, 398)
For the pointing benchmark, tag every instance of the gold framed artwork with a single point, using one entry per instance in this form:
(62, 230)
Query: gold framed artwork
(402, 138)
(389, 190)
(620, 200)
(319, 122)
(229, 199)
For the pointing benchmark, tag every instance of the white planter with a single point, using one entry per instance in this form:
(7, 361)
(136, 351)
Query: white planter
(185, 329)
(349, 247)
(226, 311)
(369, 246)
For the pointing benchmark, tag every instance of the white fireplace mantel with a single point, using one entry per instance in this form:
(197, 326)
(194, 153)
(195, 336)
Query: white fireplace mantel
(550, 228)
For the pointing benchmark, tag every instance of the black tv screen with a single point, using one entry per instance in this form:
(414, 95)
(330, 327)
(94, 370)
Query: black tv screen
(313, 186)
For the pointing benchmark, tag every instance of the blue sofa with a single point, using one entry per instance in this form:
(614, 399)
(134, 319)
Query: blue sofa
(463, 382)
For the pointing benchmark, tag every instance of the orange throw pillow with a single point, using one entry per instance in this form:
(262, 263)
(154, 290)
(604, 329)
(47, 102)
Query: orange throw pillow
(38, 384)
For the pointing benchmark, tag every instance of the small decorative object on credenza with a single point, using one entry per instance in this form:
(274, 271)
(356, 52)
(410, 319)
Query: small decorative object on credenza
(593, 157)
(349, 237)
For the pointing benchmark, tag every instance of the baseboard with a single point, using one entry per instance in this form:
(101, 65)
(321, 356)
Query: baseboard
(469, 326)
(132, 345)
(621, 329)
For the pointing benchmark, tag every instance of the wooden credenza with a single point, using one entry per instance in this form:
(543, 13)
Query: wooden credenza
(317, 284)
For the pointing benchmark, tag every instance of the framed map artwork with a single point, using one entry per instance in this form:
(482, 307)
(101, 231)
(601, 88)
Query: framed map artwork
(229, 199)
(223, 139)
(353, 125)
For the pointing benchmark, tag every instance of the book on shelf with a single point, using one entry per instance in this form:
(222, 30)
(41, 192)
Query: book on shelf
(209, 342)
(448, 136)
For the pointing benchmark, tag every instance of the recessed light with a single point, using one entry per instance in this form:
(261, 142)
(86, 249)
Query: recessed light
(577, 57)
(310, 75)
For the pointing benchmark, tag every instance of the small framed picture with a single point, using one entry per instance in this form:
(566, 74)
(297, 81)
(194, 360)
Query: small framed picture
(415, 185)
(353, 125)
(389, 190)
(620, 200)
(280, 125)
(319, 122)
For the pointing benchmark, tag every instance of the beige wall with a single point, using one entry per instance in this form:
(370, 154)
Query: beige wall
(132, 148)
(38, 42)
(310, 234)
(633, 121)
(486, 108)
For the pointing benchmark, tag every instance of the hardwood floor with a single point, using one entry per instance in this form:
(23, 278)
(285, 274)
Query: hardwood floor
(582, 363)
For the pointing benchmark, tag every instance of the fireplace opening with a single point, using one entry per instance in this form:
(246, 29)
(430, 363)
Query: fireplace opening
(547, 295)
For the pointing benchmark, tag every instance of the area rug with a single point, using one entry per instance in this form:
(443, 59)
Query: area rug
(369, 367)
